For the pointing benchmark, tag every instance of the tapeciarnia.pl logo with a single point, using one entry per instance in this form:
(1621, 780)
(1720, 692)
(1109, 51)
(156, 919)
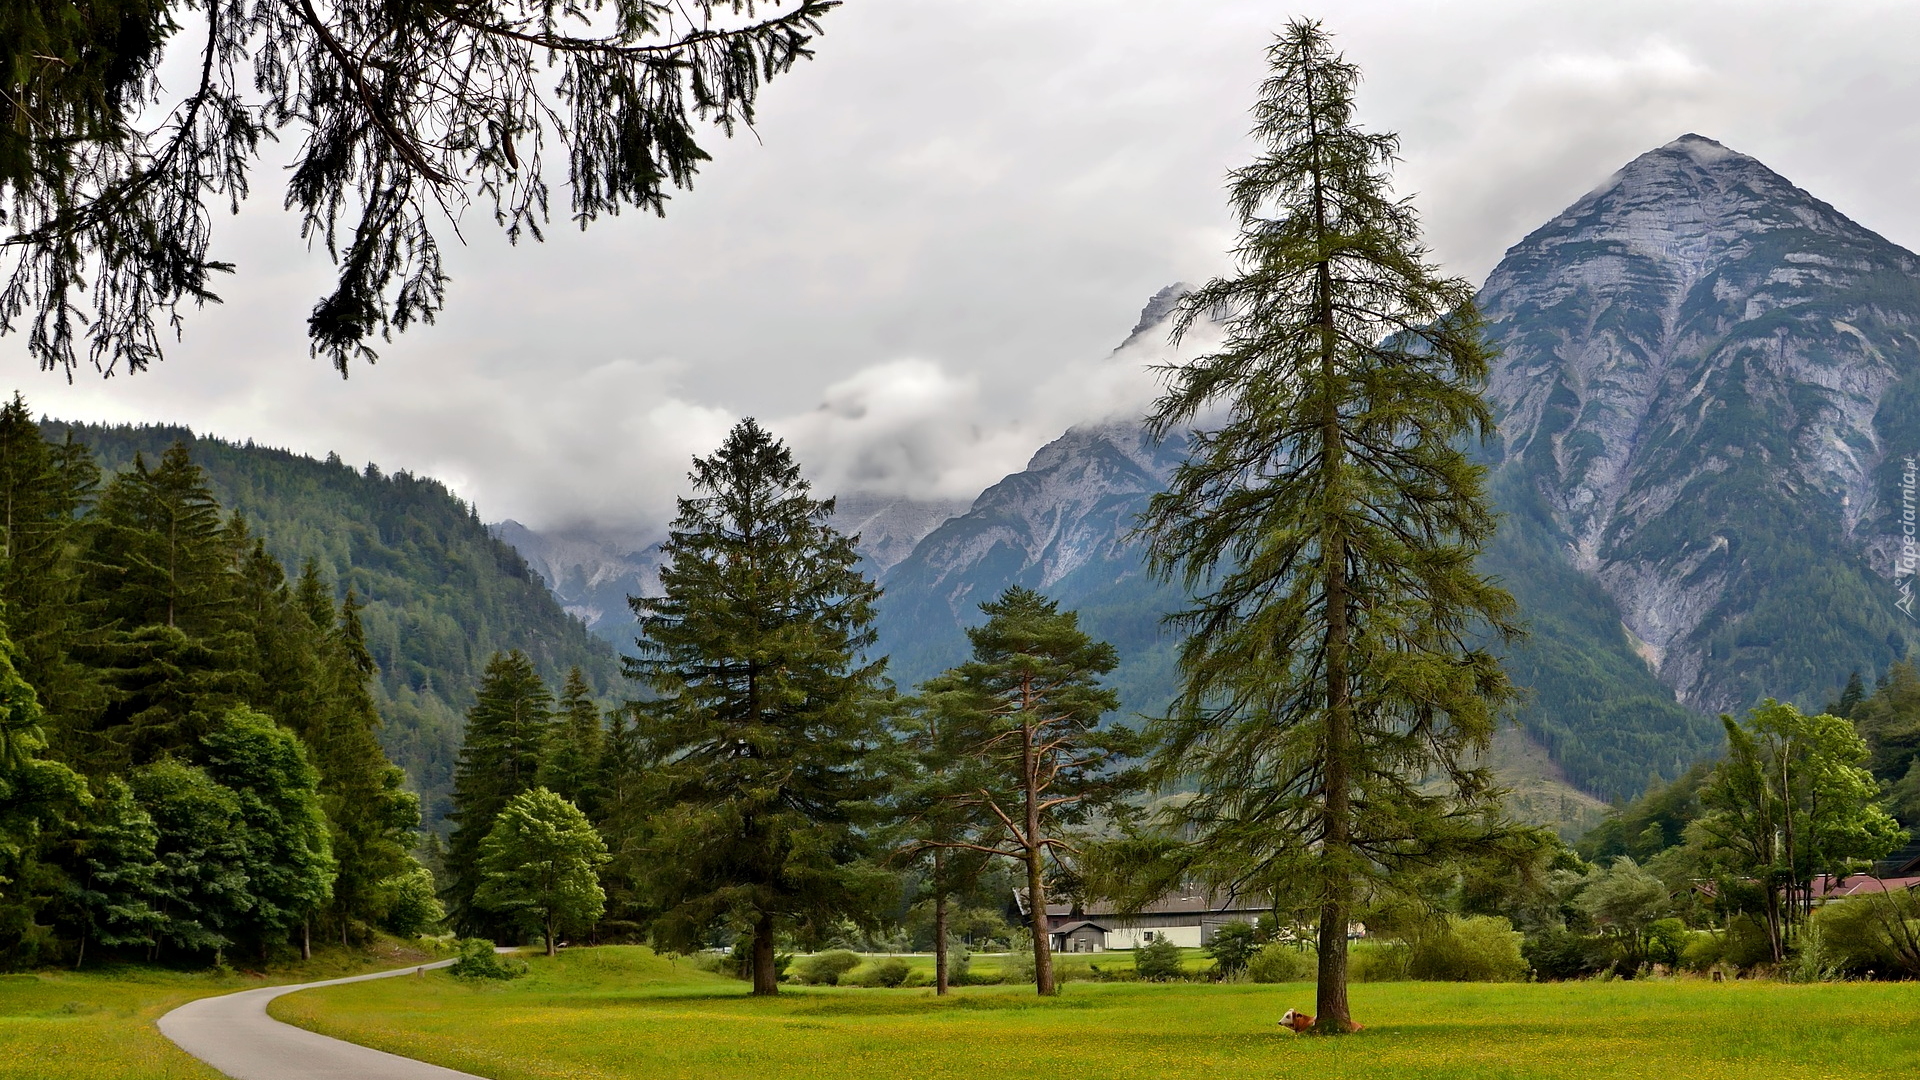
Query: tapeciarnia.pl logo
(1904, 565)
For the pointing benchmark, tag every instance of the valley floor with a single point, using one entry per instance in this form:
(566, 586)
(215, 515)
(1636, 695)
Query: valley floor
(624, 1012)
(99, 1025)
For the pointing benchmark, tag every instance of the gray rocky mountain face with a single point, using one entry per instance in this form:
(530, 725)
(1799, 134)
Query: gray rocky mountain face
(1698, 385)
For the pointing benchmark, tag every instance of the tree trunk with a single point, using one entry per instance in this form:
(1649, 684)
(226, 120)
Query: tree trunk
(1332, 1016)
(939, 927)
(553, 948)
(766, 981)
(1036, 866)
(306, 938)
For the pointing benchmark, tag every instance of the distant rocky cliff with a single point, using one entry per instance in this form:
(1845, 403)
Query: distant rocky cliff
(1706, 377)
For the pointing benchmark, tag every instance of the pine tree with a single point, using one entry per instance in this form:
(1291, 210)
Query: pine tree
(570, 763)
(1021, 728)
(1336, 661)
(765, 714)
(499, 759)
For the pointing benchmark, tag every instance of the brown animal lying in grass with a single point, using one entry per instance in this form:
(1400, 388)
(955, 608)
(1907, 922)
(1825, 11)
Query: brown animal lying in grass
(1300, 1022)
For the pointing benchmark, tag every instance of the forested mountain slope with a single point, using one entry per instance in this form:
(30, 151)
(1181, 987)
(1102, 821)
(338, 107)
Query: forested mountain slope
(442, 594)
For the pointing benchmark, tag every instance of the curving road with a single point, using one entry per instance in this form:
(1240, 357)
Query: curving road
(234, 1034)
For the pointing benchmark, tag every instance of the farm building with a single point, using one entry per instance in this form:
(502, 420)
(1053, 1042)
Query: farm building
(1187, 918)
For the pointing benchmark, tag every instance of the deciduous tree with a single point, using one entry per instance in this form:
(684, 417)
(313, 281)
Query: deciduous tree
(539, 864)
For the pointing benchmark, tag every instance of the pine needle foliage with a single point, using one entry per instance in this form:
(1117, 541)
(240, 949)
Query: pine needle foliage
(403, 113)
(1336, 662)
(1016, 749)
(760, 739)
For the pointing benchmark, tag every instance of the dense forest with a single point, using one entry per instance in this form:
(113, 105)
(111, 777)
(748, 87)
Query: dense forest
(190, 760)
(440, 595)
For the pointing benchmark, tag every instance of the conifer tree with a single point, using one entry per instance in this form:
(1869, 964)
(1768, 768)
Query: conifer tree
(1336, 663)
(44, 489)
(173, 656)
(499, 759)
(758, 742)
(570, 764)
(374, 818)
(1019, 731)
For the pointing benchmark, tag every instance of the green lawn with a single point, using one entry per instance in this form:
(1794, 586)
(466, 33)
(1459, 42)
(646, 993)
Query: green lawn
(100, 1025)
(622, 1012)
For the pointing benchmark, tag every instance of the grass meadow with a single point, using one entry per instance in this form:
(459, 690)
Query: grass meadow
(624, 1012)
(99, 1025)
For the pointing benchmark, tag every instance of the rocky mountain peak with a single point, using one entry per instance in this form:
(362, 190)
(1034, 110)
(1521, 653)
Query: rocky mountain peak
(1690, 347)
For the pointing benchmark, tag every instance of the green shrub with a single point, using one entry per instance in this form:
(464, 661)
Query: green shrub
(1016, 966)
(1281, 962)
(1556, 955)
(479, 961)
(1666, 939)
(1378, 961)
(959, 965)
(826, 969)
(1158, 961)
(889, 973)
(412, 908)
(1478, 948)
(1704, 949)
(1233, 945)
(1745, 943)
(1866, 934)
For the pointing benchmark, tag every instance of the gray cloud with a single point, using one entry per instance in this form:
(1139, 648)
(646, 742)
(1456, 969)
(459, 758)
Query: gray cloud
(917, 270)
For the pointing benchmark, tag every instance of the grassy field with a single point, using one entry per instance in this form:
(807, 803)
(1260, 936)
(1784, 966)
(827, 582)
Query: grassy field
(99, 1025)
(622, 1012)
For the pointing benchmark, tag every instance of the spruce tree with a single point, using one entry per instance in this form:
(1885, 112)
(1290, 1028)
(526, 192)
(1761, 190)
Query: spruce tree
(173, 653)
(570, 764)
(766, 711)
(499, 759)
(44, 490)
(1336, 679)
(373, 817)
(1017, 744)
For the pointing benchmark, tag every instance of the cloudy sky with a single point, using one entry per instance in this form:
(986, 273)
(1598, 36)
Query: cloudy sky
(918, 267)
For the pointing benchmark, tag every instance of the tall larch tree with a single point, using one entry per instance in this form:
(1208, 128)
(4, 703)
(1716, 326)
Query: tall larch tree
(1019, 745)
(1337, 662)
(499, 758)
(760, 736)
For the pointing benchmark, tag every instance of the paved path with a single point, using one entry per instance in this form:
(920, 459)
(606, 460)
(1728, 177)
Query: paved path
(234, 1034)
